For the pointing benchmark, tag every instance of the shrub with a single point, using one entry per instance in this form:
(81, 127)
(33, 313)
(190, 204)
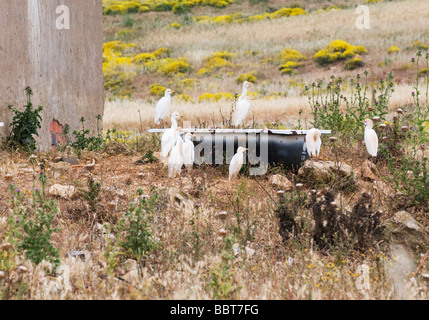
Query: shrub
(114, 7)
(337, 50)
(246, 77)
(157, 89)
(184, 97)
(332, 110)
(175, 25)
(354, 64)
(175, 66)
(420, 46)
(290, 60)
(216, 97)
(162, 53)
(135, 227)
(287, 68)
(36, 224)
(25, 125)
(216, 61)
(240, 17)
(393, 49)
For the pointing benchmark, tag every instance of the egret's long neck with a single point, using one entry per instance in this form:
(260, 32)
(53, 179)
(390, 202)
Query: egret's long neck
(173, 122)
(244, 93)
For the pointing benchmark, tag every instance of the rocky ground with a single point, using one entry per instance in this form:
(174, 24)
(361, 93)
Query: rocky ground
(316, 233)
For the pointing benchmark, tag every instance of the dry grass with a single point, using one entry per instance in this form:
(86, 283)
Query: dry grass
(392, 24)
(124, 114)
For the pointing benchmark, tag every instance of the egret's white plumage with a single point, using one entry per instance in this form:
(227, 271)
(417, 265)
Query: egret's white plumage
(168, 139)
(241, 111)
(176, 161)
(163, 106)
(188, 152)
(246, 85)
(313, 142)
(371, 139)
(236, 163)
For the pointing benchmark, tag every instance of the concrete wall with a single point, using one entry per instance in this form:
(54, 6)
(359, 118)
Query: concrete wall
(63, 67)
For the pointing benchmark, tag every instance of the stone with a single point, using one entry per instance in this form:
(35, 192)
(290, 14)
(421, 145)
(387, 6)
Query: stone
(281, 182)
(65, 192)
(72, 161)
(115, 192)
(181, 203)
(61, 169)
(76, 254)
(63, 66)
(402, 228)
(325, 171)
(114, 148)
(369, 171)
(130, 271)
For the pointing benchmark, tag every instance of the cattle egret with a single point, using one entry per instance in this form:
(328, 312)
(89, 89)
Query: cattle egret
(163, 106)
(371, 139)
(168, 139)
(188, 152)
(241, 111)
(176, 161)
(246, 85)
(313, 142)
(236, 162)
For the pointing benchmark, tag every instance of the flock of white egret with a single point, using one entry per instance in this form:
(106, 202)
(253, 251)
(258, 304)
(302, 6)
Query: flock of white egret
(181, 152)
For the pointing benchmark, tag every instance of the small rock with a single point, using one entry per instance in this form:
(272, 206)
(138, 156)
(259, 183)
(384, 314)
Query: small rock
(114, 192)
(72, 161)
(131, 270)
(402, 228)
(326, 171)
(221, 215)
(61, 169)
(114, 148)
(76, 254)
(65, 192)
(281, 182)
(181, 203)
(369, 171)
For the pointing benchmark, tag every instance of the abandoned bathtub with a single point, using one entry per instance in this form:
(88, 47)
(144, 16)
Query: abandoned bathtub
(266, 146)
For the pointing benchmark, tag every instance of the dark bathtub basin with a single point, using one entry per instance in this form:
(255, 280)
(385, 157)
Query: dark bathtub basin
(276, 147)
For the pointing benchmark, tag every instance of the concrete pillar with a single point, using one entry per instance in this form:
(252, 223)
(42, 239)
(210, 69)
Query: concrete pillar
(62, 63)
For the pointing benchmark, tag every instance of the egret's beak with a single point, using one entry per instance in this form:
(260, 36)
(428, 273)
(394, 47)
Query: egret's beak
(245, 149)
(172, 91)
(251, 98)
(363, 122)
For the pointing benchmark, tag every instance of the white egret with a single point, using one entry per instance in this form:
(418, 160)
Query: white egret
(168, 139)
(371, 139)
(163, 106)
(246, 85)
(236, 162)
(313, 142)
(188, 151)
(241, 111)
(176, 161)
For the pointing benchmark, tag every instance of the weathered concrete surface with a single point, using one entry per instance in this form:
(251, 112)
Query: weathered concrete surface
(63, 67)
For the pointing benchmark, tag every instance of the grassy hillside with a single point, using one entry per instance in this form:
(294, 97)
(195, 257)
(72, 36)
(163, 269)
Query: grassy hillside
(208, 51)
